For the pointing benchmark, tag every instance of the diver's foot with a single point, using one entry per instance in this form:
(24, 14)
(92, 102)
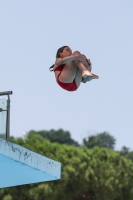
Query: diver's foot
(89, 78)
(86, 73)
(84, 80)
(95, 76)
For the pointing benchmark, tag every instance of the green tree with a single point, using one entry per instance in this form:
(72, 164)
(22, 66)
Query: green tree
(101, 140)
(125, 151)
(87, 174)
(60, 136)
(129, 155)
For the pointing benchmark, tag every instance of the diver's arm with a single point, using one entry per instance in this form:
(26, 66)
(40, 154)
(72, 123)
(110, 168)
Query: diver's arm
(65, 60)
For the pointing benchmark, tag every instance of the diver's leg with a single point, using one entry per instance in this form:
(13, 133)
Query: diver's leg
(84, 70)
(68, 73)
(78, 77)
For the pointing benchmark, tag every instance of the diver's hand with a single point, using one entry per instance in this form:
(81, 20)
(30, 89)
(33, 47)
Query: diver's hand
(83, 59)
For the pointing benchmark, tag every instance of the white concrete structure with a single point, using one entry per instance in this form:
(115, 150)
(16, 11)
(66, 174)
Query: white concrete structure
(19, 166)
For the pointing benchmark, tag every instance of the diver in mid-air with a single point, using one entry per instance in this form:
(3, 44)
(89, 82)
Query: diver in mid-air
(71, 69)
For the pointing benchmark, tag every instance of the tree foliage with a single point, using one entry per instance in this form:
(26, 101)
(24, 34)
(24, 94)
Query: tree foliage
(125, 151)
(87, 174)
(60, 136)
(101, 140)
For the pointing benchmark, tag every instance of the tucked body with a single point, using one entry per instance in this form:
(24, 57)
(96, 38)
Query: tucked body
(71, 69)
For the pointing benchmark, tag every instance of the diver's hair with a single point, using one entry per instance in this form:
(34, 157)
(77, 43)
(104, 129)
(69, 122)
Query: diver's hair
(60, 50)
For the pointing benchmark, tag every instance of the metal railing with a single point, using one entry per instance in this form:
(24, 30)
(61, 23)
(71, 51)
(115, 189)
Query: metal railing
(7, 110)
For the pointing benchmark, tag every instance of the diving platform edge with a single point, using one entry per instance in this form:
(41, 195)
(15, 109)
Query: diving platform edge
(19, 165)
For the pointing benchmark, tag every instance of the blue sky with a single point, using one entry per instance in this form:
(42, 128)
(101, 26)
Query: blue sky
(32, 31)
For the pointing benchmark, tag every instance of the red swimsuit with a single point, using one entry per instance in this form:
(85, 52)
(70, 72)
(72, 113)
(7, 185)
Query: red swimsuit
(66, 86)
